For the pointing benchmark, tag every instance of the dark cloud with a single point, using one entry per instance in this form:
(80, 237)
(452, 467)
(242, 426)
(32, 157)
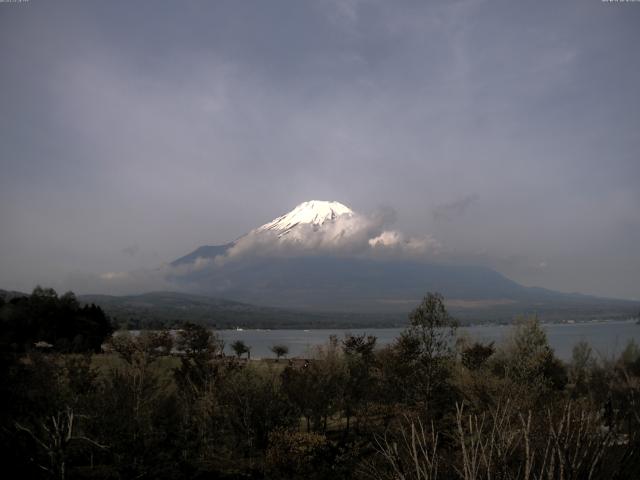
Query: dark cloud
(448, 211)
(186, 123)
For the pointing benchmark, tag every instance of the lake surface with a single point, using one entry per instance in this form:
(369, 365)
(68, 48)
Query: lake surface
(606, 338)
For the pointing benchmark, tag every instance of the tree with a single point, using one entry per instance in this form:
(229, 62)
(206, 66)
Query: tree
(432, 326)
(240, 348)
(293, 454)
(196, 340)
(61, 322)
(359, 382)
(581, 368)
(280, 350)
(137, 406)
(316, 388)
(359, 345)
(426, 346)
(150, 345)
(296, 385)
(198, 373)
(475, 356)
(55, 439)
(631, 353)
(41, 292)
(529, 360)
(254, 405)
(198, 380)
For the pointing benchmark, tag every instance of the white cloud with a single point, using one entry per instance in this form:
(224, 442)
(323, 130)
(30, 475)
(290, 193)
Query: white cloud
(346, 234)
(386, 239)
(391, 243)
(354, 235)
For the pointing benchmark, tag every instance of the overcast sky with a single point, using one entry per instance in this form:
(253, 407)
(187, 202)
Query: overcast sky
(133, 131)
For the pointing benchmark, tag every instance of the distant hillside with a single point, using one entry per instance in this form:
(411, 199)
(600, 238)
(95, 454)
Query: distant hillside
(167, 309)
(7, 295)
(155, 309)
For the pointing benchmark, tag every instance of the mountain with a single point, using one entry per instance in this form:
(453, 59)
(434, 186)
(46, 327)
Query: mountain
(206, 251)
(307, 220)
(324, 257)
(315, 213)
(8, 295)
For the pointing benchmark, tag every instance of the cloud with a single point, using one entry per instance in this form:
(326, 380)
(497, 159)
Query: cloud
(114, 276)
(131, 250)
(343, 13)
(122, 283)
(391, 243)
(457, 208)
(192, 127)
(347, 235)
(388, 238)
(165, 277)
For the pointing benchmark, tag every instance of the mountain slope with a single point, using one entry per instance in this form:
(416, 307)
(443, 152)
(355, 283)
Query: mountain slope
(364, 285)
(205, 251)
(314, 212)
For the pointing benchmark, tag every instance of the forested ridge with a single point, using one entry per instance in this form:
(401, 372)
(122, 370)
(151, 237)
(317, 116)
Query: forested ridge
(59, 321)
(433, 404)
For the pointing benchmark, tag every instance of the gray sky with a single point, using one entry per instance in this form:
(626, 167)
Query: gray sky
(132, 132)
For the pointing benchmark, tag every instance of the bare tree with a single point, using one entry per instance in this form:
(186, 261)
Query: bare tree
(58, 435)
(412, 454)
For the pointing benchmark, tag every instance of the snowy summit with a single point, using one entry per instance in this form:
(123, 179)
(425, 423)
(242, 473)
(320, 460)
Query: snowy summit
(314, 212)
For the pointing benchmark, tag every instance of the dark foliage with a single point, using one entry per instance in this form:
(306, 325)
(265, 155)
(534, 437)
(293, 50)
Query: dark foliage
(476, 355)
(420, 408)
(59, 323)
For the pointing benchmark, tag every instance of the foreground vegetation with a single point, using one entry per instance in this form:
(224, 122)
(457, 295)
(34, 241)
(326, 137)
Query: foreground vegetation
(431, 405)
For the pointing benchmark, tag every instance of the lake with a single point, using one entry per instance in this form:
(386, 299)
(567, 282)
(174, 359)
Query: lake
(607, 338)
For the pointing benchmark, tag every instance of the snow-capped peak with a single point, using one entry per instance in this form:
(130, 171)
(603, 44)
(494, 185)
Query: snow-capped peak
(314, 212)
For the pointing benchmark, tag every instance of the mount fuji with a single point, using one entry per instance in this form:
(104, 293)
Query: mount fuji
(315, 213)
(323, 256)
(305, 223)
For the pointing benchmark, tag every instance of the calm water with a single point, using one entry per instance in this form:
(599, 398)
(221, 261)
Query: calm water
(606, 338)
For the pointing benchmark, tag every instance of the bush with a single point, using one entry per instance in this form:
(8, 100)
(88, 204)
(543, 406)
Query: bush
(293, 454)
